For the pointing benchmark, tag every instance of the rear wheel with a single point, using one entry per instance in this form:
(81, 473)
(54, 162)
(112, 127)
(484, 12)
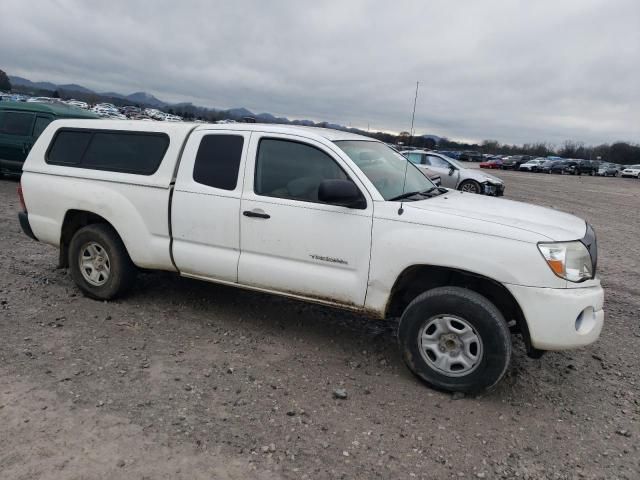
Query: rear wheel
(455, 339)
(470, 186)
(99, 262)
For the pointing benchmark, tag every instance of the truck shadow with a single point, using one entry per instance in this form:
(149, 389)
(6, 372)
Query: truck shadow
(211, 302)
(327, 328)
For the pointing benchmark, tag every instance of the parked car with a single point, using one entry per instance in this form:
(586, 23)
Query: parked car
(608, 170)
(580, 167)
(77, 104)
(560, 166)
(450, 153)
(513, 162)
(22, 123)
(632, 171)
(431, 174)
(319, 215)
(42, 100)
(491, 163)
(456, 176)
(532, 165)
(470, 156)
(545, 167)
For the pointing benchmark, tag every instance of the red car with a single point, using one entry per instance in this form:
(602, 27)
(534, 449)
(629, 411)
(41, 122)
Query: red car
(493, 163)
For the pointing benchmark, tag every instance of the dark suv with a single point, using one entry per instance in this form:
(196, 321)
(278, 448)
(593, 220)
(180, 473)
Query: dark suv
(579, 167)
(514, 161)
(22, 123)
(470, 156)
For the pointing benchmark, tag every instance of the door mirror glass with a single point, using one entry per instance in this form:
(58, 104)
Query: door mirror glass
(341, 192)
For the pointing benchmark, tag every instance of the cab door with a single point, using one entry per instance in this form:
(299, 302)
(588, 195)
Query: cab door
(205, 208)
(290, 241)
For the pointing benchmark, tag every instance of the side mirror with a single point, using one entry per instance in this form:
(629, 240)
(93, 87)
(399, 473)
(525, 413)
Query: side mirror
(451, 170)
(341, 192)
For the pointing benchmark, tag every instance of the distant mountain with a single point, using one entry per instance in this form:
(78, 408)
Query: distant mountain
(186, 109)
(146, 99)
(239, 112)
(113, 95)
(28, 83)
(72, 87)
(137, 97)
(435, 138)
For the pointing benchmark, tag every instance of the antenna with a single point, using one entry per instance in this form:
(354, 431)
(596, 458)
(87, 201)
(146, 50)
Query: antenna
(413, 116)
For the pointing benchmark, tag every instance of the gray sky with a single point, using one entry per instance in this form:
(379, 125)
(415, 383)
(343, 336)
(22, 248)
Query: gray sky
(512, 70)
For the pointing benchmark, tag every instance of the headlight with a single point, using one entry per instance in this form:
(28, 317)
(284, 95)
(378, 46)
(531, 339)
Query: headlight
(568, 260)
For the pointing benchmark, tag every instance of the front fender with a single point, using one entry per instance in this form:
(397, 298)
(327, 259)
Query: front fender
(398, 245)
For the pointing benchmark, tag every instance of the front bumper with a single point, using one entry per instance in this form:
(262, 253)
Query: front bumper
(561, 318)
(493, 189)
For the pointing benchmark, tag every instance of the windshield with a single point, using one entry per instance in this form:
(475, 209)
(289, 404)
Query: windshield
(385, 168)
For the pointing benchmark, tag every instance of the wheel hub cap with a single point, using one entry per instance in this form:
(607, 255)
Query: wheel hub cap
(94, 264)
(450, 345)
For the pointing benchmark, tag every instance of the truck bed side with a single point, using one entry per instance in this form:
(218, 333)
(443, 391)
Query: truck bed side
(135, 205)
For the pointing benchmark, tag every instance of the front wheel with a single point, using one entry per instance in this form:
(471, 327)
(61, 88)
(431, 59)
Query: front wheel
(470, 186)
(99, 262)
(455, 339)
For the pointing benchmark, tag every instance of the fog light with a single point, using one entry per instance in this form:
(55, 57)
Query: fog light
(586, 320)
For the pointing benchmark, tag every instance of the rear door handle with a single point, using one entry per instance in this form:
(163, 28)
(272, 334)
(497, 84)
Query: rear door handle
(256, 214)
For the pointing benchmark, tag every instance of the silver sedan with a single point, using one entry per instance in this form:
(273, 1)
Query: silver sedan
(454, 175)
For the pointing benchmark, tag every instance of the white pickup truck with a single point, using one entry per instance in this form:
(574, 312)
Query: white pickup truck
(318, 215)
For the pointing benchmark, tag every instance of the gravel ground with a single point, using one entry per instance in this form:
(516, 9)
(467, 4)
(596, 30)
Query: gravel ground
(188, 380)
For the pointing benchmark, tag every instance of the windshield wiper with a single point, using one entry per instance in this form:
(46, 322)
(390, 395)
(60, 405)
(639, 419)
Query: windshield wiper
(411, 194)
(403, 196)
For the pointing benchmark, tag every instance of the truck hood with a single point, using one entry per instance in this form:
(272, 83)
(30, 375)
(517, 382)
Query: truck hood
(504, 215)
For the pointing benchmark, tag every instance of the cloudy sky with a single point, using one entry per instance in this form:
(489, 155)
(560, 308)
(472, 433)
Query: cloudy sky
(512, 70)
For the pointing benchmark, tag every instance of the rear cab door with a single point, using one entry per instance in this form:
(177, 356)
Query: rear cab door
(205, 208)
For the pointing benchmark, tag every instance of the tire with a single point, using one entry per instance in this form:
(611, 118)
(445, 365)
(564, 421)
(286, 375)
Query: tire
(483, 323)
(470, 186)
(99, 262)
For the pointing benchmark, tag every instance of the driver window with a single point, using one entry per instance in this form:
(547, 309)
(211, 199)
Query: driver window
(437, 162)
(293, 170)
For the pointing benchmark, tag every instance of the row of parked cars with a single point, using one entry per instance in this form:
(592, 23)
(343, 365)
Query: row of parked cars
(103, 110)
(559, 165)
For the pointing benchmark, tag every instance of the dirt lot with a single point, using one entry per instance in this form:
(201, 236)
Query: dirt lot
(188, 380)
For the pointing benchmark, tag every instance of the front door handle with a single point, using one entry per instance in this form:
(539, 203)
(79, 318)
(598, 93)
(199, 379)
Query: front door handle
(256, 214)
